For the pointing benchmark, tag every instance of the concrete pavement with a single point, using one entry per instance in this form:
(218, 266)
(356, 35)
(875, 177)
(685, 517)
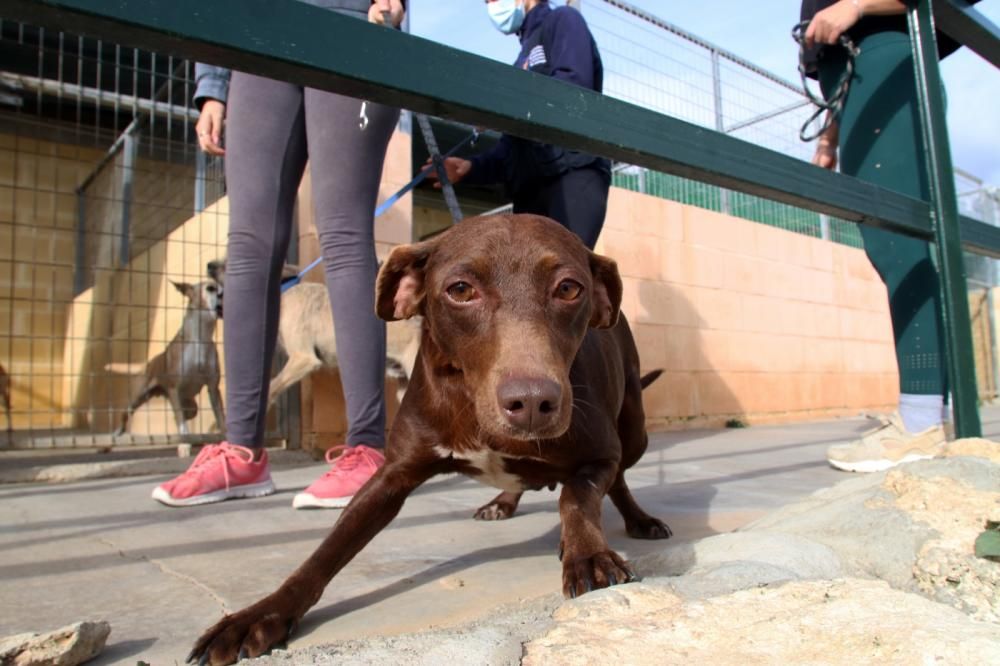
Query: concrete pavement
(102, 549)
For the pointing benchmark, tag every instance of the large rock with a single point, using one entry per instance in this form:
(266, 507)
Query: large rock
(845, 621)
(68, 646)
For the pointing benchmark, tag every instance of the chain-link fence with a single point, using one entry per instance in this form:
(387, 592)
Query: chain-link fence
(105, 204)
(655, 64)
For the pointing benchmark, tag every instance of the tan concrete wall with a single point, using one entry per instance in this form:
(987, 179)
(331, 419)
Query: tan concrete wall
(749, 321)
(38, 213)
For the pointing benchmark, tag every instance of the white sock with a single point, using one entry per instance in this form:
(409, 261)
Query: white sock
(920, 412)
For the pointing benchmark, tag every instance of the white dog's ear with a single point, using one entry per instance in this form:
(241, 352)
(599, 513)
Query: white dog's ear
(183, 287)
(607, 292)
(399, 291)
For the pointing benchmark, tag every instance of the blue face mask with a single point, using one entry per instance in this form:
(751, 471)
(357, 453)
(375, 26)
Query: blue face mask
(506, 15)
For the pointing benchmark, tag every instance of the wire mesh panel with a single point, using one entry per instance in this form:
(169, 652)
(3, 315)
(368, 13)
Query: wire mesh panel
(108, 217)
(654, 64)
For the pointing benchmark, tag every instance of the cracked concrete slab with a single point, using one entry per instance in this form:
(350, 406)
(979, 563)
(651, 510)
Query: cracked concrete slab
(103, 550)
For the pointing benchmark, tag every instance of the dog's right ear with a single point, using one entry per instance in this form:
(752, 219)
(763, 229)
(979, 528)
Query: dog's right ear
(399, 290)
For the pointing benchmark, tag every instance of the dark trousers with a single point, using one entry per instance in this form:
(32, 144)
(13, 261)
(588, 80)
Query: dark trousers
(578, 200)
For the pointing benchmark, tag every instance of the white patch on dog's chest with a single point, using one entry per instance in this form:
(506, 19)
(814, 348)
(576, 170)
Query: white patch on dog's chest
(492, 470)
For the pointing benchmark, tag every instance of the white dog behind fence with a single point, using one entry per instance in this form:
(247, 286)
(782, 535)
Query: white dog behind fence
(306, 334)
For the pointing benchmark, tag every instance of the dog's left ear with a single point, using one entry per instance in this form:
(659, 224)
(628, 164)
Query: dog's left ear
(607, 296)
(183, 287)
(399, 290)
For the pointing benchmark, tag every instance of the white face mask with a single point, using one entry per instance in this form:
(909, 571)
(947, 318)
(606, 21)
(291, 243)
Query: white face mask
(507, 15)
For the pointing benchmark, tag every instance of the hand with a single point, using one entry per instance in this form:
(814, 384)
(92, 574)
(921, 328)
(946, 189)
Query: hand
(828, 25)
(825, 156)
(455, 167)
(210, 127)
(394, 7)
(826, 147)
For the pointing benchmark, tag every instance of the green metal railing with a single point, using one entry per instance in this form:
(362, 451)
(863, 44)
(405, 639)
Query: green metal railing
(294, 41)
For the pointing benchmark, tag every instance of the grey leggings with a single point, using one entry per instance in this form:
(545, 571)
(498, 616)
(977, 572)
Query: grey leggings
(272, 127)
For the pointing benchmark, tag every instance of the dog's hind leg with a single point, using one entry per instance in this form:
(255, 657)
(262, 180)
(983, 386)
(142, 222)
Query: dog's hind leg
(500, 507)
(638, 523)
(140, 399)
(298, 366)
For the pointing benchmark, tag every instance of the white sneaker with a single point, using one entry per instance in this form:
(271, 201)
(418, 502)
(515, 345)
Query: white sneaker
(887, 446)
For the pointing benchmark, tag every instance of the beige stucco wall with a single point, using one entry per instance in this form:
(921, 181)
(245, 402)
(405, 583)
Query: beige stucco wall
(749, 321)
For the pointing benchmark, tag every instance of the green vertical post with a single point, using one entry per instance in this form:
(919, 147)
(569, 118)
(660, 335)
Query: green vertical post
(944, 214)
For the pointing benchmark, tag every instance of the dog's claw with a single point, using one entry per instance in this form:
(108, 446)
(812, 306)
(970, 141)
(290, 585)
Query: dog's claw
(204, 659)
(242, 655)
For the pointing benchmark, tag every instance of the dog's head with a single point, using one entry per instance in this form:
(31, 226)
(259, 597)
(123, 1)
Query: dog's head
(507, 301)
(205, 295)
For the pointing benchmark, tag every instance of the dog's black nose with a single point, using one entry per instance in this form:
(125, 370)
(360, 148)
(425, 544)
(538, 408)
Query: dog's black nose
(529, 403)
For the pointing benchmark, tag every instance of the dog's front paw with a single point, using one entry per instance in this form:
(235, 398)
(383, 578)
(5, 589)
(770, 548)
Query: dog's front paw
(246, 634)
(600, 570)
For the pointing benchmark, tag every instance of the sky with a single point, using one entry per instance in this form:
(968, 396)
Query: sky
(758, 31)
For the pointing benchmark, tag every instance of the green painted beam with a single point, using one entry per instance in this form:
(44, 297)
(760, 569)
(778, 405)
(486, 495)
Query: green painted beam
(944, 205)
(979, 238)
(298, 42)
(958, 20)
(295, 41)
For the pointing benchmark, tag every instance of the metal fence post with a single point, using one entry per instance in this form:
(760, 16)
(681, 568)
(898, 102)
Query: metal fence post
(719, 121)
(944, 214)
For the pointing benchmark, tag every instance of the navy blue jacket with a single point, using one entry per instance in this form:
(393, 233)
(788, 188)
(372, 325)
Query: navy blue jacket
(558, 43)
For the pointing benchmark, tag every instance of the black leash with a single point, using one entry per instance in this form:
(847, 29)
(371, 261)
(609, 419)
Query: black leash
(835, 104)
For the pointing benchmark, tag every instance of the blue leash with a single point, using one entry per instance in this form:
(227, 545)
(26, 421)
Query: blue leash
(388, 203)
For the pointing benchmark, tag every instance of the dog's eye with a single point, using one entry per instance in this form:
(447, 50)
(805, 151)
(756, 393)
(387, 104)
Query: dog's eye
(568, 290)
(461, 292)
(210, 289)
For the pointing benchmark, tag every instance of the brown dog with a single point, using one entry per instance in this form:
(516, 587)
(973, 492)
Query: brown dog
(526, 377)
(189, 363)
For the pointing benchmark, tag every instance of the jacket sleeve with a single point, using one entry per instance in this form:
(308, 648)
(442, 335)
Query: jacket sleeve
(488, 167)
(211, 82)
(570, 52)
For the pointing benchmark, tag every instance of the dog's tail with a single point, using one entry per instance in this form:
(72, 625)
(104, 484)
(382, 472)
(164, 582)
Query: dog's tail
(125, 368)
(650, 377)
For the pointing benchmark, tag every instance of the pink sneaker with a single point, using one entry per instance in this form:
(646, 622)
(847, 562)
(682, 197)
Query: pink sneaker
(350, 471)
(219, 472)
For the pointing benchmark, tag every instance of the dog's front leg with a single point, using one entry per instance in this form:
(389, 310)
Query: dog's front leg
(174, 398)
(215, 397)
(256, 629)
(588, 561)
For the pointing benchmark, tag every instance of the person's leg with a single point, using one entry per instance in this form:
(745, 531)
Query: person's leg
(578, 200)
(346, 169)
(265, 157)
(880, 143)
